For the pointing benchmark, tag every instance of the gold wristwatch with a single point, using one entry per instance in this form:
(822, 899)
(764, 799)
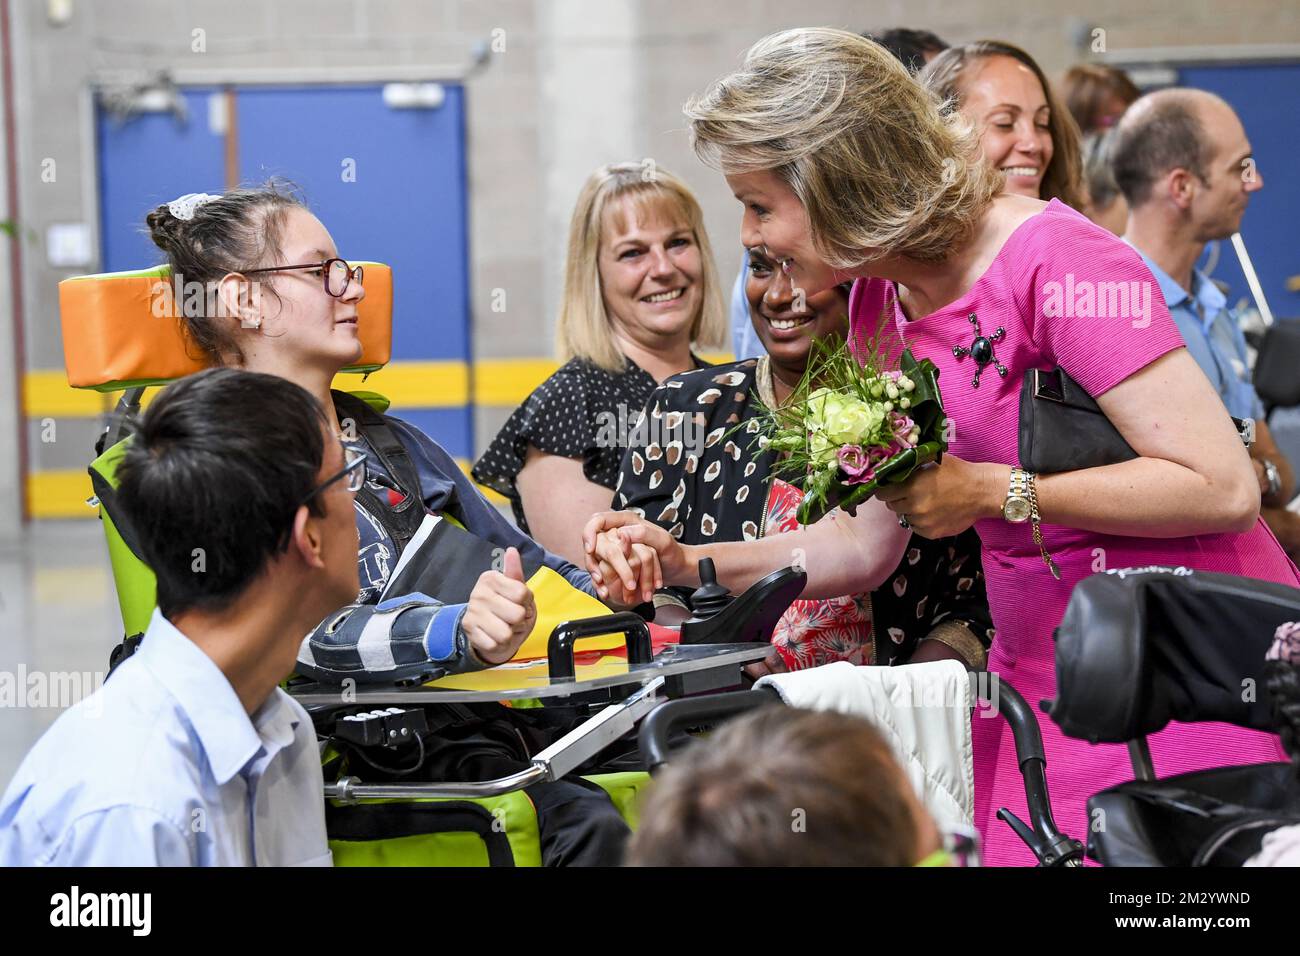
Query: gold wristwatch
(1018, 506)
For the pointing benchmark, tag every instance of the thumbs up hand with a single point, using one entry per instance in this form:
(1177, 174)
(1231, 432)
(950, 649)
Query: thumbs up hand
(501, 611)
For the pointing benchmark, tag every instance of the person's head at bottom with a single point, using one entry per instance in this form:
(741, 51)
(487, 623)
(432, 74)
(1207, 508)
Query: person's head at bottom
(239, 494)
(785, 787)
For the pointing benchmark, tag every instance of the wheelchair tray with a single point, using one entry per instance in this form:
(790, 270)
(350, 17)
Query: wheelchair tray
(531, 678)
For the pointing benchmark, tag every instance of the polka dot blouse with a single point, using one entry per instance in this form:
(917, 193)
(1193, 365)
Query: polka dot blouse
(582, 411)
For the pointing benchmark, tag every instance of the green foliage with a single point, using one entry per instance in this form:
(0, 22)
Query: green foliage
(847, 401)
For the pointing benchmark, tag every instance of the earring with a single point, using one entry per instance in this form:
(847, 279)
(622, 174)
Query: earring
(250, 320)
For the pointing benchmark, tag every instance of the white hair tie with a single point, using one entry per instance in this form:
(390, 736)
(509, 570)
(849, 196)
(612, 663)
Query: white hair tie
(184, 206)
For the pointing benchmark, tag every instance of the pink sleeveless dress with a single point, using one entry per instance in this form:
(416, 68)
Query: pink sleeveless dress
(1053, 276)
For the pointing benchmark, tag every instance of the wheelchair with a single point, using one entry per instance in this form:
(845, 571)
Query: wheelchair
(375, 815)
(1139, 649)
(1053, 848)
(1135, 650)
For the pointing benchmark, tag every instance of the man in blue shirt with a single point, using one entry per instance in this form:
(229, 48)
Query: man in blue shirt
(191, 754)
(1184, 164)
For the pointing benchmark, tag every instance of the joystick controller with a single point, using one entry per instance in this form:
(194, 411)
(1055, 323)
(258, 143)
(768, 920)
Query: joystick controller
(710, 597)
(718, 618)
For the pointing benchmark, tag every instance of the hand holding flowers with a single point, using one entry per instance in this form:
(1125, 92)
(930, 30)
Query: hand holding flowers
(850, 426)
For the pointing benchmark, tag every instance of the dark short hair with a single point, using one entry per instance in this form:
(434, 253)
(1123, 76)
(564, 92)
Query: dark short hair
(1098, 174)
(781, 787)
(909, 46)
(1151, 141)
(220, 461)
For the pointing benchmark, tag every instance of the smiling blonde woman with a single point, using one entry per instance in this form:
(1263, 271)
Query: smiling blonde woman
(640, 288)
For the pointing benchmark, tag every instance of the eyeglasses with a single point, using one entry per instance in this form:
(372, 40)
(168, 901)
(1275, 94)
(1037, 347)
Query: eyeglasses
(337, 274)
(354, 471)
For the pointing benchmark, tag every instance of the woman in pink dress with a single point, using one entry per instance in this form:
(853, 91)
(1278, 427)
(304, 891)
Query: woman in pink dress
(847, 168)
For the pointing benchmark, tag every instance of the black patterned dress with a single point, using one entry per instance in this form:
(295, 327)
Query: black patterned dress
(698, 473)
(582, 411)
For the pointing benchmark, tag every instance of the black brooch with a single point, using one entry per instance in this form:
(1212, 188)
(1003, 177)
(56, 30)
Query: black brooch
(981, 350)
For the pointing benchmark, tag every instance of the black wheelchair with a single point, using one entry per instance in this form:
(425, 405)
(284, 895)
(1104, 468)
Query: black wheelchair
(384, 807)
(1135, 650)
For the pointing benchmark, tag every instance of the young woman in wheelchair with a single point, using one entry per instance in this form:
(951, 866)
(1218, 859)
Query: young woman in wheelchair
(287, 306)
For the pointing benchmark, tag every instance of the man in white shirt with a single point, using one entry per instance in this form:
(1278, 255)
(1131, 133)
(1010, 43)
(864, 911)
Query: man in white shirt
(240, 497)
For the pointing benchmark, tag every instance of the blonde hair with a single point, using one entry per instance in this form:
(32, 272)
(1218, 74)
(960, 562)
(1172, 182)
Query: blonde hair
(583, 329)
(1063, 178)
(879, 167)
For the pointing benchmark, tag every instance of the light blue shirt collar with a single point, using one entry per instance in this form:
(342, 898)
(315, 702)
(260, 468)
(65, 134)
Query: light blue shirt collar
(1208, 295)
(229, 738)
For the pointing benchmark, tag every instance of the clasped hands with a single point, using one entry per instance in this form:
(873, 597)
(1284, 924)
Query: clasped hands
(629, 558)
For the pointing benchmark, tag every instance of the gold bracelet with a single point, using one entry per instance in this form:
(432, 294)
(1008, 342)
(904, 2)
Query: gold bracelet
(960, 636)
(1035, 518)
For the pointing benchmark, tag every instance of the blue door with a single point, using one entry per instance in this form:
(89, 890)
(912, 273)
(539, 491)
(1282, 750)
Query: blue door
(1267, 98)
(389, 184)
(146, 159)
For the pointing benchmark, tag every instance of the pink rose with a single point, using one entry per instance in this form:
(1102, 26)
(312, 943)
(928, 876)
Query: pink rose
(902, 427)
(879, 456)
(859, 465)
(853, 461)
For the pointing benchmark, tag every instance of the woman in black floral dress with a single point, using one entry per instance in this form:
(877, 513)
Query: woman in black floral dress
(700, 474)
(640, 287)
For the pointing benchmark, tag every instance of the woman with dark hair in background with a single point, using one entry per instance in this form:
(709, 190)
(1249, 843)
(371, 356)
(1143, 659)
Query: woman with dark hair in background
(912, 48)
(1097, 95)
(1025, 132)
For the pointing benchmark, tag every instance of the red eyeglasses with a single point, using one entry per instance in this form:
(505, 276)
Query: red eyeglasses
(337, 274)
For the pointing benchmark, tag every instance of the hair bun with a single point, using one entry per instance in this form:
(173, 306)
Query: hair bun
(162, 227)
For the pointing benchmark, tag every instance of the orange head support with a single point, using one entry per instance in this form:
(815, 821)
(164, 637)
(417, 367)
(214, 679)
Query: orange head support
(120, 329)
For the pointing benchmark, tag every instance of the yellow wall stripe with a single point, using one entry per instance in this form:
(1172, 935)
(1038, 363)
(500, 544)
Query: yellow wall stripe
(46, 393)
(63, 494)
(497, 382)
(415, 384)
(507, 382)
(434, 384)
(60, 494)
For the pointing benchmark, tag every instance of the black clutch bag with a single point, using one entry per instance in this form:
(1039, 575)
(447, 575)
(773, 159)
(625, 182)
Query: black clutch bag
(1063, 429)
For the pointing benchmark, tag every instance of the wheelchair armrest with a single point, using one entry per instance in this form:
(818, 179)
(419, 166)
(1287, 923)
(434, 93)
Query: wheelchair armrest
(1138, 648)
(662, 722)
(560, 647)
(1050, 845)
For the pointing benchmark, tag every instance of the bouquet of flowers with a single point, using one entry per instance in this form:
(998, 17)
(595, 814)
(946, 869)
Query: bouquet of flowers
(851, 425)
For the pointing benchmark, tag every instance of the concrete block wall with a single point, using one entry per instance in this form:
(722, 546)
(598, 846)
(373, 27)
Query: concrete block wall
(579, 83)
